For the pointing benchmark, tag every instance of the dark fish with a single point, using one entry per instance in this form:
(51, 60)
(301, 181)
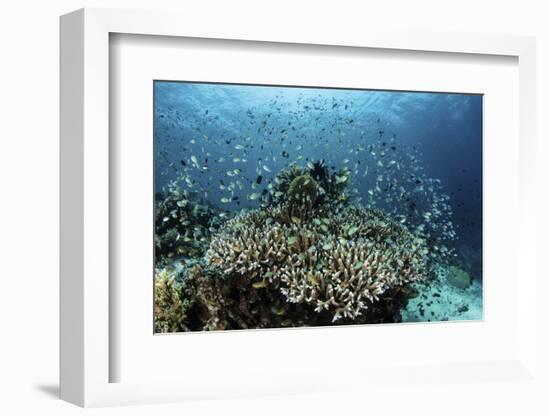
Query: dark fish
(259, 179)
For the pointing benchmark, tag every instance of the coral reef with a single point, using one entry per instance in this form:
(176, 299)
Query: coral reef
(307, 257)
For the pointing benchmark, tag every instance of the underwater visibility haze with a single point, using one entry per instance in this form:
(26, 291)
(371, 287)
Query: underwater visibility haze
(282, 207)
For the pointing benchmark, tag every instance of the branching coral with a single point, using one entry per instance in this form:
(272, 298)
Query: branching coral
(341, 265)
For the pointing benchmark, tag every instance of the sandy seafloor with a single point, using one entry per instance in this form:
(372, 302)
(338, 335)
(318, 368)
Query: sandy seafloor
(441, 301)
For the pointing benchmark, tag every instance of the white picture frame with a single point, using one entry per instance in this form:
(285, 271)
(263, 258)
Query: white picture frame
(85, 221)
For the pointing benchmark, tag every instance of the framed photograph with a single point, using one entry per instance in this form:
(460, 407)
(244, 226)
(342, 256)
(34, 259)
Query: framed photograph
(271, 212)
(285, 206)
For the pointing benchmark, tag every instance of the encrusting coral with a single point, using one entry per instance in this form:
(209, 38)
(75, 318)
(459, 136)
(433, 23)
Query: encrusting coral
(306, 257)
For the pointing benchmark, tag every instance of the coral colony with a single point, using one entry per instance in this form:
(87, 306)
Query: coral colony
(308, 257)
(310, 253)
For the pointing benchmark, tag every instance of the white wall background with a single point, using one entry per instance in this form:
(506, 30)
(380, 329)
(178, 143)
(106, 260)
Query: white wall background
(29, 211)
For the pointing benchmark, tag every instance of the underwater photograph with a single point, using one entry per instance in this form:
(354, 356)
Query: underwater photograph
(288, 206)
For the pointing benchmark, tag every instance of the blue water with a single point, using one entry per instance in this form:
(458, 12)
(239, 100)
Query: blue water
(410, 153)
